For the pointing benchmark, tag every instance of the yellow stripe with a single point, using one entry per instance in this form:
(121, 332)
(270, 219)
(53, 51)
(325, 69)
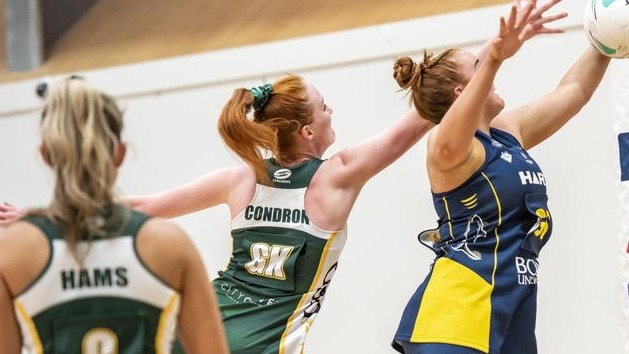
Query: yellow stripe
(493, 274)
(303, 299)
(445, 204)
(469, 199)
(28, 321)
(163, 323)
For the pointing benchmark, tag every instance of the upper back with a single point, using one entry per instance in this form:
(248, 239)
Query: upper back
(277, 218)
(283, 202)
(110, 297)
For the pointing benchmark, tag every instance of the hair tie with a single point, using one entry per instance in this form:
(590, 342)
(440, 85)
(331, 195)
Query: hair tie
(422, 69)
(261, 95)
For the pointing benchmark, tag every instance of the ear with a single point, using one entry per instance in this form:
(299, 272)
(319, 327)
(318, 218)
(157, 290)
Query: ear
(307, 132)
(120, 154)
(44, 154)
(458, 90)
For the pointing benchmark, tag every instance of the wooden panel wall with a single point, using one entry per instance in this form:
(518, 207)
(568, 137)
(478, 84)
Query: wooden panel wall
(116, 32)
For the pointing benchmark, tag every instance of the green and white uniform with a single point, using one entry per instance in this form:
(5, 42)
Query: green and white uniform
(280, 269)
(111, 304)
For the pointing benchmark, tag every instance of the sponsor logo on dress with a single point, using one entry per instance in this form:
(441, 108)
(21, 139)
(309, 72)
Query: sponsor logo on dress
(506, 156)
(281, 175)
(317, 298)
(496, 143)
(527, 270)
(242, 296)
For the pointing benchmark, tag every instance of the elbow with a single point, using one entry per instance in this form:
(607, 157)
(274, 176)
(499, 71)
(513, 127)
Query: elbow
(584, 97)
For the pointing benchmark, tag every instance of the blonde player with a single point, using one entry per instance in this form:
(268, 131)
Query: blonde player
(87, 275)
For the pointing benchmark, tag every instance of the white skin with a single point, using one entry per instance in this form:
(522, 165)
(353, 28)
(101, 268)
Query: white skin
(165, 249)
(9, 213)
(334, 187)
(337, 183)
(454, 154)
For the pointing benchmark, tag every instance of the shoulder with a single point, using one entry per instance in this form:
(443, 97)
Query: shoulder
(242, 171)
(507, 123)
(161, 232)
(330, 172)
(160, 237)
(166, 250)
(228, 177)
(16, 241)
(20, 235)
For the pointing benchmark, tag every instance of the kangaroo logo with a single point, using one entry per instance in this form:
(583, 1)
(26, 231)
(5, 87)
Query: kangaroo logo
(473, 231)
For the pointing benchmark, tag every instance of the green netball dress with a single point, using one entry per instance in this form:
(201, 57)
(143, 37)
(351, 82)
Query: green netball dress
(111, 304)
(280, 268)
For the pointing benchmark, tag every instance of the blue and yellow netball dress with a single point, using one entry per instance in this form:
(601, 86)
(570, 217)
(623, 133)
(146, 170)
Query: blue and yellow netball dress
(481, 290)
(110, 304)
(280, 268)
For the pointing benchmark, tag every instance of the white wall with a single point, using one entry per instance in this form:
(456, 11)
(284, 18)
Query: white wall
(172, 107)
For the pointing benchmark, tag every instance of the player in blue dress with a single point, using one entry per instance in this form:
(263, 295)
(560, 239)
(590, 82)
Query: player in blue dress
(490, 197)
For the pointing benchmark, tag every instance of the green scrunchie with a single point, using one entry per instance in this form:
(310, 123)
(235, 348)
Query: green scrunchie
(261, 95)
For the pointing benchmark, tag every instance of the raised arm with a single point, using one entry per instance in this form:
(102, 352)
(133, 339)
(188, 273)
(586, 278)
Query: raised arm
(537, 120)
(355, 165)
(451, 143)
(536, 19)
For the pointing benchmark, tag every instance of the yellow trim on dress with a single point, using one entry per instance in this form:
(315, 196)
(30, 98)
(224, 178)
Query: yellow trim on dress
(30, 326)
(303, 299)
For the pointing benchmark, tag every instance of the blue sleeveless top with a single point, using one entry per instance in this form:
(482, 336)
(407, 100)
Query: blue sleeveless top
(501, 208)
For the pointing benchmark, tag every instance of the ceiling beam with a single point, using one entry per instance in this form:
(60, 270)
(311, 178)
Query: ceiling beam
(25, 46)
(33, 26)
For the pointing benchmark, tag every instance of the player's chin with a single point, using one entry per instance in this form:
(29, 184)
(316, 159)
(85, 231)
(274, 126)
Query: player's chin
(495, 106)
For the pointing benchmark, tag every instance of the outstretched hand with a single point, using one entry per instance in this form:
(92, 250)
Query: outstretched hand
(535, 18)
(513, 32)
(526, 20)
(9, 213)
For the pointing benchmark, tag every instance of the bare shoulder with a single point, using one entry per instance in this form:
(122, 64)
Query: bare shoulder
(507, 121)
(241, 184)
(232, 179)
(332, 171)
(161, 235)
(20, 236)
(240, 170)
(17, 240)
(242, 174)
(166, 249)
